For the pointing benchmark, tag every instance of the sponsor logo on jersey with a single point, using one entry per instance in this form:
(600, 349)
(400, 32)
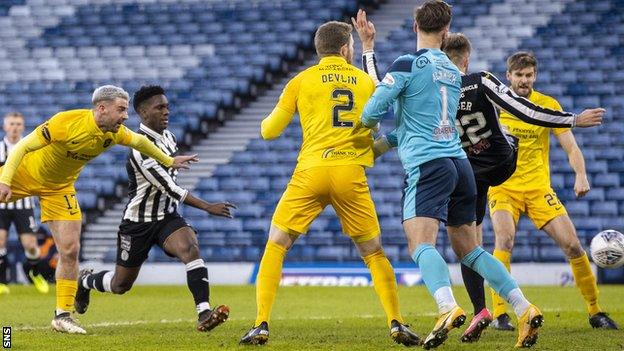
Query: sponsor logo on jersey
(45, 132)
(334, 154)
(444, 132)
(479, 147)
(79, 157)
(388, 80)
(469, 87)
(422, 61)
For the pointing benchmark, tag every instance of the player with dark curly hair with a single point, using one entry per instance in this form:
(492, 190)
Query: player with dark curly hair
(151, 218)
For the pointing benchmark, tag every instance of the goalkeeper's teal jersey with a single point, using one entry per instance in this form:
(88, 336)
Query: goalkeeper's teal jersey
(425, 89)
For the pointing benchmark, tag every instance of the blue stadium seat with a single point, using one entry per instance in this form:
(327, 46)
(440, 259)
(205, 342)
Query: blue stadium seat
(210, 54)
(604, 208)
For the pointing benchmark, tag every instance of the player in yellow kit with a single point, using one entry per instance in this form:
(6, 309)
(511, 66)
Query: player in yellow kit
(47, 162)
(329, 98)
(528, 191)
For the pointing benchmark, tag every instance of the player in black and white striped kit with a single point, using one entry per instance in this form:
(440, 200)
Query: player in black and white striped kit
(151, 218)
(491, 151)
(20, 213)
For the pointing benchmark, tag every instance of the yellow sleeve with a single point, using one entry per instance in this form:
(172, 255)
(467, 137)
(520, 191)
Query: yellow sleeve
(288, 99)
(33, 141)
(142, 144)
(123, 136)
(554, 105)
(273, 125)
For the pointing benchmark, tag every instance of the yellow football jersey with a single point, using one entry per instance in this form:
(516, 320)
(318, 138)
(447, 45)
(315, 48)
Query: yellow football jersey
(330, 97)
(532, 169)
(73, 139)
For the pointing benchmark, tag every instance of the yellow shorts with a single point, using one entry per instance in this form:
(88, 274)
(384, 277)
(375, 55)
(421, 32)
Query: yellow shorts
(541, 205)
(59, 203)
(343, 187)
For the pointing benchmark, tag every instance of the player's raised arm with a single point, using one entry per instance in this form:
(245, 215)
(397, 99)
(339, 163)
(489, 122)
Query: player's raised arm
(142, 144)
(366, 32)
(528, 112)
(275, 123)
(387, 91)
(154, 173)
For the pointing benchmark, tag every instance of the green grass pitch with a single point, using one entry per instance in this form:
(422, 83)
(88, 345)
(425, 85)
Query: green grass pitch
(331, 318)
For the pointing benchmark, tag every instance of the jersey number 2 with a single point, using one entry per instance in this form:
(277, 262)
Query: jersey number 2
(336, 122)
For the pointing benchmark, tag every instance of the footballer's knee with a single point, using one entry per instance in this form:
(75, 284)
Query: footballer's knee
(189, 252)
(69, 251)
(573, 249)
(121, 286)
(504, 241)
(369, 247)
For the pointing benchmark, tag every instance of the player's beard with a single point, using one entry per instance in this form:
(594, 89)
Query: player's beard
(116, 126)
(524, 91)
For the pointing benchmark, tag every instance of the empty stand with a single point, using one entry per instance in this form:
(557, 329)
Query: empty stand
(211, 55)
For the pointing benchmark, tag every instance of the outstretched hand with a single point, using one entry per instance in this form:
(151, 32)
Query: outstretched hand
(590, 117)
(184, 162)
(365, 29)
(221, 209)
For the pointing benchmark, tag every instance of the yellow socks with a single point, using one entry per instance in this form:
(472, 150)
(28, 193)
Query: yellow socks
(65, 294)
(586, 282)
(268, 279)
(385, 284)
(498, 303)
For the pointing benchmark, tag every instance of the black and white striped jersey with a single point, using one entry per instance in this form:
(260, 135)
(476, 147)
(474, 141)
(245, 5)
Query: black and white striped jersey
(152, 187)
(26, 203)
(483, 138)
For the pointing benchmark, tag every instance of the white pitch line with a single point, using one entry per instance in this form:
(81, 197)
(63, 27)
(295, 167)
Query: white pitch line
(184, 320)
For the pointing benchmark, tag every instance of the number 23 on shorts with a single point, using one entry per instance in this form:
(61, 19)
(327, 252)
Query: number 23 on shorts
(552, 199)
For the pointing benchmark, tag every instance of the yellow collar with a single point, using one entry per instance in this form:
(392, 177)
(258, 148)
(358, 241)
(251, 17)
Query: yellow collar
(332, 60)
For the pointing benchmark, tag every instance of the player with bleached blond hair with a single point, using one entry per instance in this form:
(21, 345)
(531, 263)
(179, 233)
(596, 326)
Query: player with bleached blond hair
(47, 162)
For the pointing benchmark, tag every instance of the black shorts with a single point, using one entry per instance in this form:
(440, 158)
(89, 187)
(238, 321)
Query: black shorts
(24, 220)
(494, 176)
(135, 239)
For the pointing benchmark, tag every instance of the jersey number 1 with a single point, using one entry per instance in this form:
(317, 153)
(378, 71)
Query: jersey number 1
(71, 200)
(336, 122)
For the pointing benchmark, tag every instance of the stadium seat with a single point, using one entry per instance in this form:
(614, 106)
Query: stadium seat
(211, 54)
